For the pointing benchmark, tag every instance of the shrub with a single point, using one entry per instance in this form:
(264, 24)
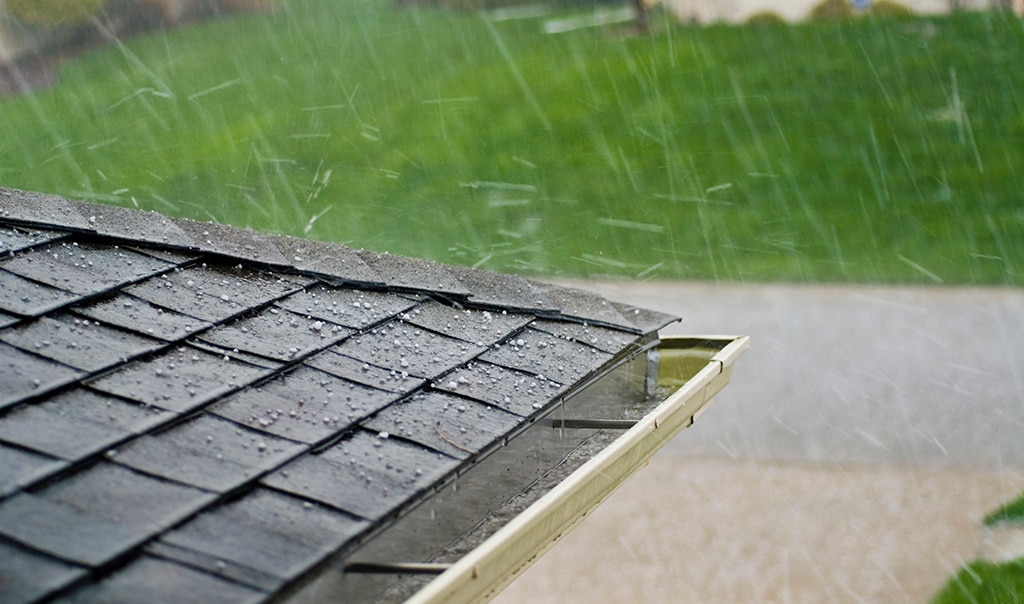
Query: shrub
(52, 13)
(831, 9)
(888, 8)
(1012, 512)
(765, 18)
(982, 581)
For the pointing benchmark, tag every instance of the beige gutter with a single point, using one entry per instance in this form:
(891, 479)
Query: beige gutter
(481, 574)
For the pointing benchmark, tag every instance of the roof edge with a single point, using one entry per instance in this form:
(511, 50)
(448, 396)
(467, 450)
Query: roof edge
(331, 262)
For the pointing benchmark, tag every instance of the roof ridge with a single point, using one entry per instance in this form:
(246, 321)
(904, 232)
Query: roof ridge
(332, 262)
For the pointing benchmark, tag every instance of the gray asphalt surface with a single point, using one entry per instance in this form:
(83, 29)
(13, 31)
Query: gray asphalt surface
(923, 377)
(863, 437)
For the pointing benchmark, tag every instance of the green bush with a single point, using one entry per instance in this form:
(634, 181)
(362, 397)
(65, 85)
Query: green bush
(1011, 512)
(982, 581)
(765, 18)
(51, 13)
(831, 9)
(888, 8)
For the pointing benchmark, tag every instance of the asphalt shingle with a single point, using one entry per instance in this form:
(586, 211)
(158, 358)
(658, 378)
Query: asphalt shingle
(195, 412)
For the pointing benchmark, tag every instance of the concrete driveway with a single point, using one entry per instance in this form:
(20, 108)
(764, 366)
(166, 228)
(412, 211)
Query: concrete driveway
(864, 435)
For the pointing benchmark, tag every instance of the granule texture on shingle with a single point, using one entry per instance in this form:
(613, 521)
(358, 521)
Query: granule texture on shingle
(278, 334)
(454, 426)
(26, 297)
(97, 514)
(272, 532)
(368, 374)
(181, 379)
(368, 475)
(7, 320)
(419, 351)
(482, 327)
(142, 317)
(306, 405)
(273, 407)
(14, 239)
(152, 579)
(213, 294)
(135, 225)
(26, 576)
(23, 467)
(64, 531)
(85, 268)
(208, 453)
(350, 307)
(331, 260)
(514, 391)
(602, 338)
(415, 273)
(80, 343)
(23, 375)
(76, 423)
(541, 353)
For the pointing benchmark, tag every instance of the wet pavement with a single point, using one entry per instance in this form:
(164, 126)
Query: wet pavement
(863, 437)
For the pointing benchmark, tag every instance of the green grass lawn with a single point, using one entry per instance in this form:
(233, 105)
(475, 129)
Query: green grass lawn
(865, 151)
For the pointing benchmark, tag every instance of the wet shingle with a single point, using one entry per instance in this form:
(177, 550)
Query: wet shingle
(278, 334)
(7, 320)
(135, 225)
(602, 338)
(401, 272)
(26, 576)
(646, 320)
(25, 297)
(391, 380)
(13, 239)
(203, 413)
(584, 305)
(368, 475)
(76, 423)
(208, 453)
(135, 314)
(85, 268)
(455, 426)
(40, 208)
(150, 579)
(409, 348)
(24, 375)
(97, 514)
(543, 354)
(213, 294)
(80, 343)
(508, 292)
(64, 531)
(21, 468)
(514, 391)
(482, 327)
(276, 534)
(181, 379)
(306, 405)
(243, 244)
(350, 307)
(330, 260)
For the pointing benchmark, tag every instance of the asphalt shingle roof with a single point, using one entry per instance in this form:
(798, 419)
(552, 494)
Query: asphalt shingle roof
(197, 412)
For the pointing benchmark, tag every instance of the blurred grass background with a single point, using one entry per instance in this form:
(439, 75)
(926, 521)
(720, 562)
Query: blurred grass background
(865, 150)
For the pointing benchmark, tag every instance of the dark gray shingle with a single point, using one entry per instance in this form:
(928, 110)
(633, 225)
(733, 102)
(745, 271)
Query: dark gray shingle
(194, 412)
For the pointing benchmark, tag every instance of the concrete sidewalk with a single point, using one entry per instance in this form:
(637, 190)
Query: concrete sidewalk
(864, 435)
